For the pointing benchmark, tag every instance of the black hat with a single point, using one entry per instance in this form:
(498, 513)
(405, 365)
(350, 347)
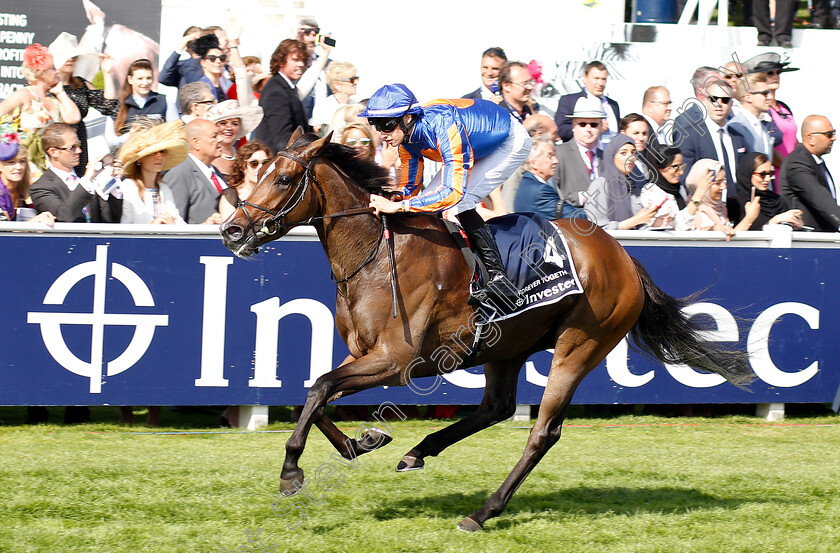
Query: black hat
(204, 44)
(767, 62)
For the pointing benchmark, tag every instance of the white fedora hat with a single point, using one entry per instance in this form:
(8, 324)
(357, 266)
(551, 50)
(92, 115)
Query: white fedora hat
(588, 108)
(66, 46)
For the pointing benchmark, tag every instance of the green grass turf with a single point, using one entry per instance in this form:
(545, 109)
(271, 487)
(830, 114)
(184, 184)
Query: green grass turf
(630, 483)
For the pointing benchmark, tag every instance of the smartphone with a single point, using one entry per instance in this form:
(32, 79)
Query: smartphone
(324, 39)
(752, 195)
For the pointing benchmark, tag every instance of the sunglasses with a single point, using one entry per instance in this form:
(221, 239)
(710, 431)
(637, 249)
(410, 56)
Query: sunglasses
(254, 163)
(765, 174)
(388, 124)
(351, 80)
(764, 93)
(584, 124)
(78, 146)
(213, 57)
(384, 125)
(719, 99)
(773, 73)
(309, 30)
(679, 167)
(353, 141)
(828, 134)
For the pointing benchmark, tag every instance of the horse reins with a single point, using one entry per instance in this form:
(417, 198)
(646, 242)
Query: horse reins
(272, 224)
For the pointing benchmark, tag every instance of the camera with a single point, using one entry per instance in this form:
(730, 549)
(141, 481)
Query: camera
(324, 39)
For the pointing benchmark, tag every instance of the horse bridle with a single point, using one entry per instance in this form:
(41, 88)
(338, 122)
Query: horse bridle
(273, 223)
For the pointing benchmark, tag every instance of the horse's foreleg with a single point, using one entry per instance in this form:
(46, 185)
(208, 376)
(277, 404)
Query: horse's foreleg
(498, 404)
(350, 448)
(360, 374)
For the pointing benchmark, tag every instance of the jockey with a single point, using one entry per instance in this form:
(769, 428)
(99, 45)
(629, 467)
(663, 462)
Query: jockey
(480, 145)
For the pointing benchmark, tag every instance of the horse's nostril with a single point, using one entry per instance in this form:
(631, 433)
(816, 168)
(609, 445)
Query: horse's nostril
(233, 232)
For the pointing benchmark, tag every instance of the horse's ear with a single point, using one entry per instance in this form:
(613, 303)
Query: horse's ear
(314, 148)
(295, 135)
(329, 137)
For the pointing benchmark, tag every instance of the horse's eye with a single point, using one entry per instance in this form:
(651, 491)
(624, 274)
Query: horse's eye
(284, 180)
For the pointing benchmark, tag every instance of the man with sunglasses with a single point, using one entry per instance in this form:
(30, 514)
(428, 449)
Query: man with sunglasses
(480, 145)
(579, 159)
(702, 130)
(804, 180)
(60, 191)
(750, 116)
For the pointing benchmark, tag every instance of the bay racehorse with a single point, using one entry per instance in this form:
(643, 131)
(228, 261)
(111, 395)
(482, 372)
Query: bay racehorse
(319, 183)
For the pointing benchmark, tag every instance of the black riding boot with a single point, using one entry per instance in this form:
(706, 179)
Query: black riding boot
(499, 285)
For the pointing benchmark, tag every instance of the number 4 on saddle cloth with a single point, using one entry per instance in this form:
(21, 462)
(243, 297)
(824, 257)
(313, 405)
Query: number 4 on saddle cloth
(537, 260)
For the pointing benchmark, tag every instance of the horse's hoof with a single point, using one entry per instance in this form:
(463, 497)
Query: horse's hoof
(291, 486)
(374, 438)
(408, 463)
(469, 525)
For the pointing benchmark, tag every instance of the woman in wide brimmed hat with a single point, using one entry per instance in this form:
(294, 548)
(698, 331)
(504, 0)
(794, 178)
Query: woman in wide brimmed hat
(66, 53)
(151, 148)
(234, 123)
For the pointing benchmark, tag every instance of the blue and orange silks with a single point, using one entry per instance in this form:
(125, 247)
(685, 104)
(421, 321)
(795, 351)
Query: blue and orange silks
(456, 133)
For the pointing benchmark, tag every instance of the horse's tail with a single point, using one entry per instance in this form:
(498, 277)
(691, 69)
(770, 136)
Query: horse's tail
(668, 334)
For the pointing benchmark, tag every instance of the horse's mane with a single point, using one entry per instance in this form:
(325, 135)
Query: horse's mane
(367, 174)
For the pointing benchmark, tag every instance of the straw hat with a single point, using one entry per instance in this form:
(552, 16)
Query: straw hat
(250, 116)
(588, 108)
(169, 137)
(66, 46)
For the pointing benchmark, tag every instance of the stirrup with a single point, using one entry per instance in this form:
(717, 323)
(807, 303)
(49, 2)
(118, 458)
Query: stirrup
(499, 287)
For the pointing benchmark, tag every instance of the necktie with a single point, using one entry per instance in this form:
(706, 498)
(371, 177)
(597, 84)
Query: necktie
(591, 155)
(828, 180)
(730, 182)
(216, 183)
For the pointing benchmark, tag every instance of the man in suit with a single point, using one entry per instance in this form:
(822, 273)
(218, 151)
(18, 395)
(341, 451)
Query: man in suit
(279, 99)
(656, 109)
(195, 183)
(579, 159)
(177, 71)
(701, 131)
(804, 180)
(492, 61)
(536, 192)
(749, 116)
(594, 81)
(70, 198)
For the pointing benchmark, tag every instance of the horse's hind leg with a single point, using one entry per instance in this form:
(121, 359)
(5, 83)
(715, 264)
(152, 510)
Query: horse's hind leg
(498, 403)
(576, 353)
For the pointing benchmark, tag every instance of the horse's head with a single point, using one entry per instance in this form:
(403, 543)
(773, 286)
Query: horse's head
(287, 194)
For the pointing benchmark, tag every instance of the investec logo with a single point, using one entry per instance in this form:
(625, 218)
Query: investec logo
(98, 319)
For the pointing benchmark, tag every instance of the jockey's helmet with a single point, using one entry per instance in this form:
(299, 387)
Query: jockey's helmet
(391, 102)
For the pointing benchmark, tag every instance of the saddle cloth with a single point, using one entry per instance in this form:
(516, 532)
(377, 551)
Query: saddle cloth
(537, 260)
